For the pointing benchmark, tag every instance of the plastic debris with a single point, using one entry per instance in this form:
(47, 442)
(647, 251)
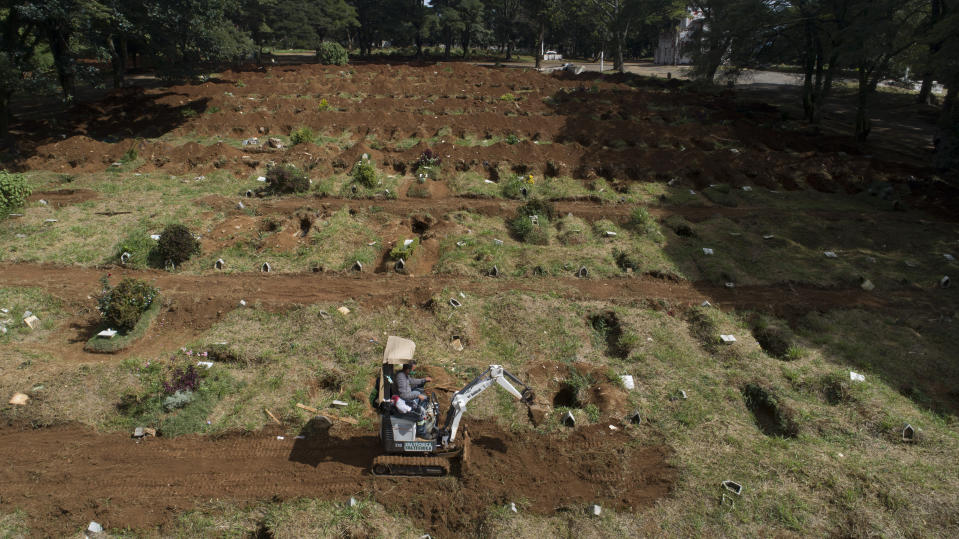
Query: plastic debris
(461, 244)
(19, 399)
(856, 377)
(204, 364)
(497, 242)
(692, 192)
(32, 322)
(628, 382)
(609, 234)
(240, 205)
(768, 236)
(747, 187)
(108, 333)
(512, 507)
(49, 220)
(733, 487)
(353, 502)
(155, 237)
(727, 339)
(457, 344)
(281, 438)
(949, 257)
(94, 527)
(830, 254)
(730, 285)
(343, 310)
(42, 202)
(242, 303)
(706, 304)
(339, 403)
(261, 179)
(596, 510)
(613, 427)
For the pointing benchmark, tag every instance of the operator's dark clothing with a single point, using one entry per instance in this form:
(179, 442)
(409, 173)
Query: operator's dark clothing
(408, 387)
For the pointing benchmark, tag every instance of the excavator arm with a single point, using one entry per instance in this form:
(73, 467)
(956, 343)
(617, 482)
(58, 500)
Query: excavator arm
(495, 374)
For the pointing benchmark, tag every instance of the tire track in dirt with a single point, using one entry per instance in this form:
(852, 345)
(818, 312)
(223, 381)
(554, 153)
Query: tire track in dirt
(120, 482)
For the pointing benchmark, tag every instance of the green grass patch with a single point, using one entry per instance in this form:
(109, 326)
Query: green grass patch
(122, 341)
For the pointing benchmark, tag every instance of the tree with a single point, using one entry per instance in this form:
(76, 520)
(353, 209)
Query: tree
(734, 32)
(503, 17)
(471, 17)
(306, 23)
(542, 13)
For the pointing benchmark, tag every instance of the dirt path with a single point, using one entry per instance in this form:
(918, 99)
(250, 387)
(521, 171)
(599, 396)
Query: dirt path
(118, 482)
(198, 301)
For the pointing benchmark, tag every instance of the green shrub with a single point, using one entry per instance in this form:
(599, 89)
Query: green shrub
(404, 251)
(523, 229)
(302, 135)
(626, 261)
(121, 306)
(13, 191)
(508, 97)
(642, 222)
(286, 179)
(177, 400)
(364, 173)
(538, 206)
(511, 139)
(332, 53)
(176, 245)
(324, 105)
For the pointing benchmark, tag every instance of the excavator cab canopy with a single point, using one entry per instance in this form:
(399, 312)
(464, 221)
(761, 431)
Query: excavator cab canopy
(398, 352)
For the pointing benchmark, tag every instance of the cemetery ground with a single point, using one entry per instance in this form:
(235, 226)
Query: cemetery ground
(666, 216)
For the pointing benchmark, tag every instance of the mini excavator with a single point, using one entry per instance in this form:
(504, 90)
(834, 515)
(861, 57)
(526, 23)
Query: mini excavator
(416, 445)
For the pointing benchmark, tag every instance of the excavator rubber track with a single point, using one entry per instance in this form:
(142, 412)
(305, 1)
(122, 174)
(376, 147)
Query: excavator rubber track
(411, 466)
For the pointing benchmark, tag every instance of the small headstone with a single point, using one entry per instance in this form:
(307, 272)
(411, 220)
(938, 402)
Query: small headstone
(706, 304)
(400, 265)
(830, 254)
(155, 237)
(768, 236)
(524, 191)
(204, 364)
(596, 510)
(50, 221)
(457, 344)
(275, 143)
(733, 487)
(357, 266)
(494, 272)
(583, 272)
(707, 251)
(949, 257)
(613, 427)
(94, 527)
(569, 420)
(32, 322)
(867, 286)
(908, 433)
(609, 234)
(692, 192)
(461, 244)
(266, 268)
(261, 178)
(107, 333)
(727, 339)
(242, 303)
(219, 264)
(125, 257)
(249, 193)
(635, 418)
(944, 282)
(455, 303)
(42, 202)
(324, 315)
(746, 187)
(344, 310)
(240, 206)
(19, 399)
(512, 507)
(628, 382)
(856, 377)
(340, 404)
(353, 502)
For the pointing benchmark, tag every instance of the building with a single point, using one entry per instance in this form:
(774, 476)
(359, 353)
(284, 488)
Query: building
(669, 51)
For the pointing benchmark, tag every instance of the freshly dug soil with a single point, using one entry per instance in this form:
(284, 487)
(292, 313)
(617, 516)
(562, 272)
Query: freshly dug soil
(65, 476)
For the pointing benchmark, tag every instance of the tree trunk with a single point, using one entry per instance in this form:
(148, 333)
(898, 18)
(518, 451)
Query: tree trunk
(65, 64)
(117, 60)
(509, 50)
(925, 91)
(4, 113)
(618, 55)
(539, 44)
(419, 45)
(467, 33)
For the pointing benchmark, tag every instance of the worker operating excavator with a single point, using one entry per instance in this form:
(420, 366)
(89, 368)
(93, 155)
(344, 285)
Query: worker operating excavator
(411, 389)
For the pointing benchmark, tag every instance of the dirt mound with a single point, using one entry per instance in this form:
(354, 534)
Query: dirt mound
(118, 482)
